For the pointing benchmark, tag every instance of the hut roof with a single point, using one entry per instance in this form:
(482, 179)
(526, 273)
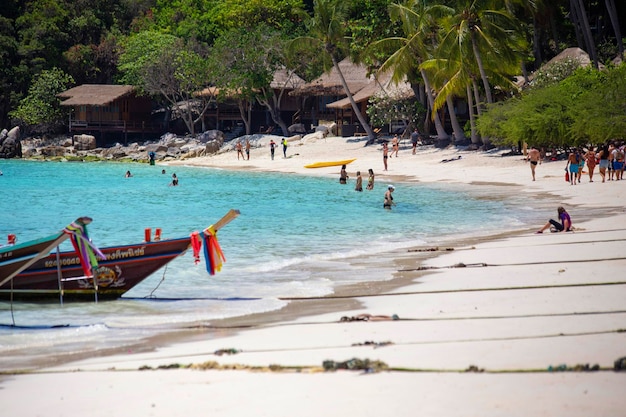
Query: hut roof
(329, 84)
(573, 53)
(287, 79)
(379, 84)
(282, 79)
(94, 94)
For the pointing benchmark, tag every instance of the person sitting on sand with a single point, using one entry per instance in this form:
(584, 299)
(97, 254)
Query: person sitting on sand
(565, 225)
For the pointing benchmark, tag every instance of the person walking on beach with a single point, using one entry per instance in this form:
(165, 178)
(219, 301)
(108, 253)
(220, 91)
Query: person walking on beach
(572, 167)
(395, 145)
(389, 198)
(581, 164)
(239, 150)
(603, 161)
(370, 180)
(611, 158)
(590, 158)
(618, 163)
(285, 147)
(564, 226)
(343, 175)
(272, 148)
(415, 136)
(385, 154)
(359, 182)
(248, 149)
(534, 157)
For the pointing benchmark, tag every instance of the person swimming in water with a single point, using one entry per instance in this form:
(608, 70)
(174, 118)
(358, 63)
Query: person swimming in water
(389, 197)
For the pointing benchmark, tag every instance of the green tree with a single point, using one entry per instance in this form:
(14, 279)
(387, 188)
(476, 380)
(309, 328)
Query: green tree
(326, 30)
(490, 33)
(40, 110)
(165, 67)
(585, 108)
(408, 52)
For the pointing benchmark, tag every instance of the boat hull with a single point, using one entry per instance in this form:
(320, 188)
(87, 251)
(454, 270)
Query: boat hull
(125, 267)
(330, 163)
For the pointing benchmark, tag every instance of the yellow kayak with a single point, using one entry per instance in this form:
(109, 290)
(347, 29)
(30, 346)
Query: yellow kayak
(329, 163)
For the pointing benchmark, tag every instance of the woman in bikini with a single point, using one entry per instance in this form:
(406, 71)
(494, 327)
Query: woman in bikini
(370, 180)
(389, 198)
(343, 175)
(590, 157)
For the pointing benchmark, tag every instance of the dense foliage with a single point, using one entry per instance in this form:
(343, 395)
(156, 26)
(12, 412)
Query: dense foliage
(585, 108)
(444, 48)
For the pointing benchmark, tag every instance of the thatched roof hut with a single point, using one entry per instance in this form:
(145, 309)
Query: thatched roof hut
(286, 79)
(95, 94)
(381, 84)
(329, 84)
(572, 53)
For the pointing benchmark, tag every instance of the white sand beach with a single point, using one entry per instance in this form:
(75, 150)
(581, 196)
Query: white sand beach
(509, 334)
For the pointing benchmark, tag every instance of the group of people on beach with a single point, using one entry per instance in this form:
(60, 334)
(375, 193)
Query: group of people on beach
(609, 158)
(240, 148)
(343, 179)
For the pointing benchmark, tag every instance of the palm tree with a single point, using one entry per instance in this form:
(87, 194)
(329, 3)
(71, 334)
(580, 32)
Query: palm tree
(327, 33)
(413, 49)
(492, 33)
(612, 11)
(581, 23)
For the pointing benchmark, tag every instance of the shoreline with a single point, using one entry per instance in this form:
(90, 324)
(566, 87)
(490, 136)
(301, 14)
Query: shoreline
(267, 338)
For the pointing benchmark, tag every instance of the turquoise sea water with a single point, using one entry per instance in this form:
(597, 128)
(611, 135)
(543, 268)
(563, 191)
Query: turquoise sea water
(295, 237)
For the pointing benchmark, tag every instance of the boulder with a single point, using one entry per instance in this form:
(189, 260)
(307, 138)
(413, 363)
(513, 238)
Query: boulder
(53, 151)
(10, 146)
(84, 142)
(14, 133)
(297, 128)
(156, 148)
(211, 135)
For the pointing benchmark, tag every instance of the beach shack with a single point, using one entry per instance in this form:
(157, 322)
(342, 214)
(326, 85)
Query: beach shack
(326, 89)
(109, 112)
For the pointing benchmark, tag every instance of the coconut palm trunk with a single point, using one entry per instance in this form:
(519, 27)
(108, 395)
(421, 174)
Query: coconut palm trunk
(355, 107)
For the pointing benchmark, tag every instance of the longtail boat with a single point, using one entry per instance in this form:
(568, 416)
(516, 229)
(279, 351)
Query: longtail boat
(14, 258)
(64, 276)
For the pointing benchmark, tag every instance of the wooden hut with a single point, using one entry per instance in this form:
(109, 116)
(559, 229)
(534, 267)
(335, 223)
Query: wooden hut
(105, 111)
(328, 88)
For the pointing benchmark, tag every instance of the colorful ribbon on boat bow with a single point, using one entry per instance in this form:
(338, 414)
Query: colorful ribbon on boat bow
(87, 252)
(196, 245)
(213, 254)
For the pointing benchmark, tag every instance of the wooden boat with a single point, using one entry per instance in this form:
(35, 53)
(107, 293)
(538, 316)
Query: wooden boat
(330, 163)
(61, 276)
(16, 258)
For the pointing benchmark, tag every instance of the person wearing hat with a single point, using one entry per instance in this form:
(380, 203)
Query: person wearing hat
(389, 198)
